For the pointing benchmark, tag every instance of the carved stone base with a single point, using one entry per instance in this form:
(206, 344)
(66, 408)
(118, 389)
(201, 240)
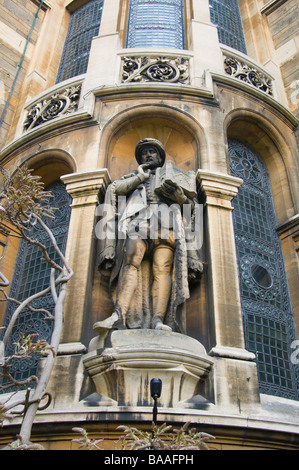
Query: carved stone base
(122, 373)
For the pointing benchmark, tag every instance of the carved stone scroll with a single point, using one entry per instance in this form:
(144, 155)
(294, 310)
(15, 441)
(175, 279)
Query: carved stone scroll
(63, 102)
(248, 74)
(155, 69)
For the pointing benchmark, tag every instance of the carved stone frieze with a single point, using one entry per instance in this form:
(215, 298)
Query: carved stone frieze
(247, 73)
(155, 69)
(60, 103)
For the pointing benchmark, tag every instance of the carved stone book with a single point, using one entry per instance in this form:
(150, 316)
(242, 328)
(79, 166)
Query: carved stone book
(170, 174)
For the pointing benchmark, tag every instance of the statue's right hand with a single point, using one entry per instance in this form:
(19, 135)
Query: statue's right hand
(143, 175)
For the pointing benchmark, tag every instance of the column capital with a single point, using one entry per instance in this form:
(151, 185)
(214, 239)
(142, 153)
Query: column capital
(86, 186)
(218, 188)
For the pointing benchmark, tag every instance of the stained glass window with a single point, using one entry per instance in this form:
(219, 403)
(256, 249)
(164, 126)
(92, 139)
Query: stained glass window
(84, 25)
(156, 23)
(32, 275)
(266, 307)
(225, 14)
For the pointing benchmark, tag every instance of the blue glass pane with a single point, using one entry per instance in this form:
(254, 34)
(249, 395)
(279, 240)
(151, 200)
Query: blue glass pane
(156, 23)
(84, 25)
(32, 275)
(266, 307)
(225, 14)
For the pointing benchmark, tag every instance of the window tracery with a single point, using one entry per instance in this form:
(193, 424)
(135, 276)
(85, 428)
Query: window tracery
(225, 14)
(156, 23)
(84, 25)
(266, 307)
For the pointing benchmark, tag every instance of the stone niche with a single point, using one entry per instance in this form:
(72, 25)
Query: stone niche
(122, 368)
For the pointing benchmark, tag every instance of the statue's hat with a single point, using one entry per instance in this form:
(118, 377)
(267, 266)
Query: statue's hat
(152, 142)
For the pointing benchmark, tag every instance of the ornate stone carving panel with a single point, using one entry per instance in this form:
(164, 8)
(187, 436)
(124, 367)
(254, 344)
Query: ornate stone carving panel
(62, 102)
(155, 69)
(248, 74)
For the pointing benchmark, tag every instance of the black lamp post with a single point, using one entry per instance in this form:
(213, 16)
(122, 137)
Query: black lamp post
(156, 387)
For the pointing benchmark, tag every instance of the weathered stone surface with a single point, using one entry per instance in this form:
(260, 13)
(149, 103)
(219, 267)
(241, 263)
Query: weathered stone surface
(123, 371)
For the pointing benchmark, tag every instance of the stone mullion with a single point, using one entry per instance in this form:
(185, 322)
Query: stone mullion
(289, 236)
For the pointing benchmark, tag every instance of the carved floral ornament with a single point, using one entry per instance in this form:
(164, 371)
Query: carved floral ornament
(155, 69)
(60, 103)
(248, 74)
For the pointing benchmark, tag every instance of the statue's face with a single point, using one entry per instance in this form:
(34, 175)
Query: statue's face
(149, 155)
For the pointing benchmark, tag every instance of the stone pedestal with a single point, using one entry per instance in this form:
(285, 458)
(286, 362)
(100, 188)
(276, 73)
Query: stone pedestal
(122, 371)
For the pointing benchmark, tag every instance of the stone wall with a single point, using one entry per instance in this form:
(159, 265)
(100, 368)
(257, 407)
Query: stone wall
(284, 23)
(17, 19)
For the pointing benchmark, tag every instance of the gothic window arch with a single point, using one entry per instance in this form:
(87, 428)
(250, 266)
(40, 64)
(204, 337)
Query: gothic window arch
(83, 26)
(156, 23)
(31, 275)
(266, 306)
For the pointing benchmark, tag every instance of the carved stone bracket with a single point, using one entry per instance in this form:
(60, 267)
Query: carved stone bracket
(248, 74)
(155, 69)
(60, 103)
(122, 371)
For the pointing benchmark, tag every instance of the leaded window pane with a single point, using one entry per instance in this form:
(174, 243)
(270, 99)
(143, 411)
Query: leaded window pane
(84, 25)
(31, 275)
(156, 23)
(225, 14)
(266, 307)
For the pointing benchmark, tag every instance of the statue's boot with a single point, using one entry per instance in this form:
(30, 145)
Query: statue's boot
(115, 321)
(158, 324)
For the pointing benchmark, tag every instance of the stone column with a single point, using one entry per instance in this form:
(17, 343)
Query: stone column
(85, 189)
(236, 382)
(224, 293)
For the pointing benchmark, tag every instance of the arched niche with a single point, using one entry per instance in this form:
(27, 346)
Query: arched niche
(179, 144)
(51, 165)
(184, 142)
(181, 136)
(277, 155)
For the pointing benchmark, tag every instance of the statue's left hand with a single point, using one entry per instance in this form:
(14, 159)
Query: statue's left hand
(174, 192)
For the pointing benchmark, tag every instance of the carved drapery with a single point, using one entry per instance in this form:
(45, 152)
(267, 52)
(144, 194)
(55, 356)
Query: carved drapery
(60, 103)
(155, 69)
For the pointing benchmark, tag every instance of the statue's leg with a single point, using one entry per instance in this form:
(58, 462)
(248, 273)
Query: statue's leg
(135, 250)
(134, 253)
(162, 269)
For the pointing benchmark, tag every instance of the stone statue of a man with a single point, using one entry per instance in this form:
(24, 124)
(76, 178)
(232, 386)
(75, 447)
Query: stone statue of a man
(146, 249)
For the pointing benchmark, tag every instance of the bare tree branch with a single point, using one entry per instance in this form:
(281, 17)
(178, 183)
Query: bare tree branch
(23, 205)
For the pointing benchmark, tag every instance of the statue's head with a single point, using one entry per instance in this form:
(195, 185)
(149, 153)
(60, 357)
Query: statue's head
(150, 151)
